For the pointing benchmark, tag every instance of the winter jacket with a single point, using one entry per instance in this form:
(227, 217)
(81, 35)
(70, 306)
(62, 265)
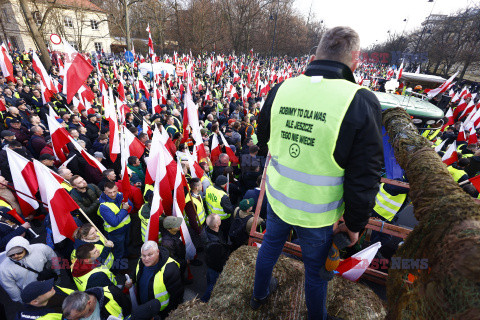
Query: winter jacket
(13, 277)
(359, 146)
(175, 246)
(97, 279)
(171, 279)
(140, 173)
(8, 230)
(87, 201)
(120, 298)
(29, 312)
(92, 131)
(108, 215)
(216, 250)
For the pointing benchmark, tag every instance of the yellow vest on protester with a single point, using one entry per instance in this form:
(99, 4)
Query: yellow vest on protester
(387, 205)
(304, 183)
(108, 261)
(457, 174)
(213, 198)
(199, 208)
(5, 204)
(159, 290)
(112, 307)
(116, 210)
(82, 281)
(144, 226)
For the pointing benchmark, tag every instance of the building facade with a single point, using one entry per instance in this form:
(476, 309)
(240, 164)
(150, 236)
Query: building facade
(83, 24)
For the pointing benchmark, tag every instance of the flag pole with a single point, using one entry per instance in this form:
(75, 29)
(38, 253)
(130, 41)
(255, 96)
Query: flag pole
(93, 224)
(26, 195)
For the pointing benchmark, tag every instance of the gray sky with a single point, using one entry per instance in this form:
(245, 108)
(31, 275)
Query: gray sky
(373, 18)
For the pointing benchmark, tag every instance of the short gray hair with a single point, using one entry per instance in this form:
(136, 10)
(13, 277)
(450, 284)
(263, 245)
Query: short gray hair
(212, 219)
(77, 301)
(339, 44)
(149, 245)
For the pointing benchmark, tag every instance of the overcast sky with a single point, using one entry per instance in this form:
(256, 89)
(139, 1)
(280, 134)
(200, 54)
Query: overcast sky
(373, 18)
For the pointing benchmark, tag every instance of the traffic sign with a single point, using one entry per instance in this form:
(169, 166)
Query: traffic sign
(129, 56)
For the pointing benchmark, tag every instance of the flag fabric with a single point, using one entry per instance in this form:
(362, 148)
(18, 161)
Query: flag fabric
(126, 184)
(440, 146)
(461, 134)
(178, 207)
(476, 182)
(442, 88)
(91, 160)
(450, 119)
(231, 154)
(400, 71)
(6, 64)
(215, 150)
(111, 116)
(24, 180)
(151, 50)
(135, 147)
(472, 139)
(60, 204)
(40, 70)
(76, 71)
(450, 155)
(60, 138)
(353, 267)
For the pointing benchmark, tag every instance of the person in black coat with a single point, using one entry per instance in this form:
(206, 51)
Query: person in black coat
(4, 166)
(92, 129)
(172, 241)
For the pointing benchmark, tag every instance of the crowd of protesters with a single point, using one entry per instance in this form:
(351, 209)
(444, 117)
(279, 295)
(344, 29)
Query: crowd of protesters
(90, 274)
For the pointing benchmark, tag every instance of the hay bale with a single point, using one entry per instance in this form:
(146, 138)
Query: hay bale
(195, 309)
(350, 300)
(234, 287)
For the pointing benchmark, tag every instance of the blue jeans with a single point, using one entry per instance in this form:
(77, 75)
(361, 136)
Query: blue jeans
(315, 244)
(120, 239)
(212, 277)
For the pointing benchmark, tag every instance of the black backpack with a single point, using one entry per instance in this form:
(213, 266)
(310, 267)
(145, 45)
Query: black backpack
(237, 232)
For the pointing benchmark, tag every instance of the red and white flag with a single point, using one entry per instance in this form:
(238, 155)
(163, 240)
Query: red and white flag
(354, 267)
(450, 155)
(40, 70)
(461, 134)
(442, 88)
(60, 204)
(135, 147)
(60, 138)
(6, 64)
(231, 154)
(215, 151)
(91, 160)
(450, 119)
(473, 139)
(400, 72)
(156, 209)
(24, 180)
(111, 116)
(76, 71)
(151, 50)
(178, 207)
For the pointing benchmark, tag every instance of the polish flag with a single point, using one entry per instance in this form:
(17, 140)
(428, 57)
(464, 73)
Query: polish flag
(151, 50)
(24, 180)
(195, 169)
(178, 207)
(88, 157)
(450, 155)
(155, 104)
(215, 151)
(77, 103)
(472, 139)
(135, 147)
(440, 146)
(126, 187)
(45, 93)
(6, 64)
(60, 204)
(60, 138)
(450, 119)
(468, 110)
(476, 182)
(77, 69)
(231, 154)
(355, 266)
(400, 71)
(121, 91)
(2, 104)
(156, 210)
(111, 116)
(40, 70)
(461, 134)
(146, 128)
(142, 84)
(442, 88)
(86, 93)
(460, 108)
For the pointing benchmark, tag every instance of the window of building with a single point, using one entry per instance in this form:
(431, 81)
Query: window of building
(37, 17)
(94, 24)
(68, 22)
(13, 41)
(98, 46)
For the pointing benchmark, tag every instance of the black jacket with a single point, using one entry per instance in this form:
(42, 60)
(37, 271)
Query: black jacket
(171, 279)
(120, 298)
(54, 305)
(216, 250)
(359, 147)
(175, 246)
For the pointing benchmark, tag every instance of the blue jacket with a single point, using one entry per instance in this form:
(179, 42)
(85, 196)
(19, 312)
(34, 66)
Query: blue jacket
(108, 215)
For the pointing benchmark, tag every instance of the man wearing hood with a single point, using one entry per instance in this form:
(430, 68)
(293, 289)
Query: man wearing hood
(116, 218)
(42, 300)
(96, 303)
(24, 263)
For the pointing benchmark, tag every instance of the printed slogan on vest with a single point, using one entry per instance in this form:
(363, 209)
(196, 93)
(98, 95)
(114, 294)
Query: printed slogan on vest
(300, 126)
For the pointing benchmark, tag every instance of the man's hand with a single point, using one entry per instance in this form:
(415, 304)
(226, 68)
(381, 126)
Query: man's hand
(125, 206)
(26, 225)
(128, 284)
(109, 244)
(352, 235)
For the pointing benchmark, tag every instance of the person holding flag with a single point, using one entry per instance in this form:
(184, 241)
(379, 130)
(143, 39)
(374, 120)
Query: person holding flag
(116, 218)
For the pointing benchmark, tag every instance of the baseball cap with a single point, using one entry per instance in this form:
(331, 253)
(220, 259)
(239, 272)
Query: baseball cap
(99, 154)
(171, 222)
(35, 289)
(246, 203)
